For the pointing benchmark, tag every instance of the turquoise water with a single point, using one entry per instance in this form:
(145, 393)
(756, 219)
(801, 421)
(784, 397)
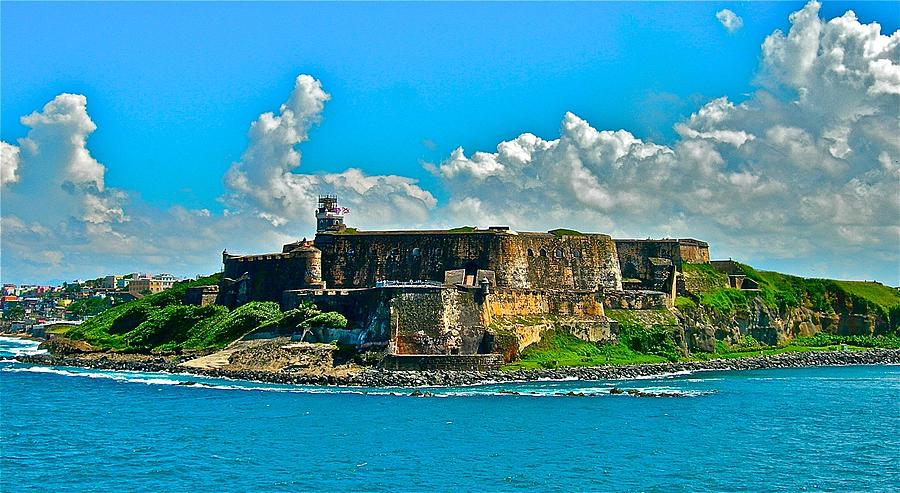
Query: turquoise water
(67, 429)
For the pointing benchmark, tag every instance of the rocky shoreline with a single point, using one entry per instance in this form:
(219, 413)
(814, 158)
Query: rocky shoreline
(386, 378)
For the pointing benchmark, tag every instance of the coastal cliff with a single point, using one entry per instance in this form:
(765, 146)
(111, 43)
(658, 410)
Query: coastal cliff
(779, 309)
(702, 327)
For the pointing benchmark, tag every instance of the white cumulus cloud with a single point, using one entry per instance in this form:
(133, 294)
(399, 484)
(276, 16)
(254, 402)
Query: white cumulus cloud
(60, 219)
(264, 182)
(53, 159)
(806, 167)
(729, 20)
(9, 163)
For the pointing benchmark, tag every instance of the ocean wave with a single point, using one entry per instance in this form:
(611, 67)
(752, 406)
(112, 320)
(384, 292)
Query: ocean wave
(671, 374)
(13, 347)
(524, 389)
(118, 376)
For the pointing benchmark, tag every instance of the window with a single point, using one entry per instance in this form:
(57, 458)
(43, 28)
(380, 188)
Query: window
(530, 252)
(543, 252)
(416, 252)
(558, 253)
(576, 253)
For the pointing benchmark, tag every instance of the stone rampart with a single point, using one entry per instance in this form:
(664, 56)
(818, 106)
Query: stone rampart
(201, 295)
(635, 300)
(265, 277)
(505, 303)
(635, 255)
(519, 260)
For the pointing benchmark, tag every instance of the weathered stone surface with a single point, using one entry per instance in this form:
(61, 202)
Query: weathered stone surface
(518, 260)
(703, 326)
(275, 354)
(634, 255)
(201, 295)
(265, 277)
(635, 300)
(65, 346)
(421, 319)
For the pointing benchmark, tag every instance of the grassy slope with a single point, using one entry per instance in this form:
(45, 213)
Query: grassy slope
(110, 329)
(645, 342)
(558, 348)
(160, 322)
(782, 291)
(643, 338)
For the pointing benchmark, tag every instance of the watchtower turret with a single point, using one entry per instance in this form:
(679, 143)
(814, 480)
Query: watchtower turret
(329, 217)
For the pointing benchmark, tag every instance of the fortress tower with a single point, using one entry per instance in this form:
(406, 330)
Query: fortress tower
(329, 217)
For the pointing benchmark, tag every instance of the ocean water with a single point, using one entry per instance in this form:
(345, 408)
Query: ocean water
(69, 429)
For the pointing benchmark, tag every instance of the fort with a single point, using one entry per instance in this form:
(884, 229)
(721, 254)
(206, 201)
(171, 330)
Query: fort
(434, 297)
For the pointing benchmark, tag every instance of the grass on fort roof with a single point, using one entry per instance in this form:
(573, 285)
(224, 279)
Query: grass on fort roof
(565, 232)
(875, 292)
(786, 291)
(463, 229)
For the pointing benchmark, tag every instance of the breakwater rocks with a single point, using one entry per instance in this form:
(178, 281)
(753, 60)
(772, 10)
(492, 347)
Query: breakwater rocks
(442, 378)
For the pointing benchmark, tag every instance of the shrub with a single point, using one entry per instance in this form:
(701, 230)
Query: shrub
(648, 340)
(822, 339)
(170, 326)
(726, 300)
(133, 314)
(684, 303)
(219, 331)
(328, 319)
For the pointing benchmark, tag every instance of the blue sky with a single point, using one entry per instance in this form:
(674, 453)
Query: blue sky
(173, 88)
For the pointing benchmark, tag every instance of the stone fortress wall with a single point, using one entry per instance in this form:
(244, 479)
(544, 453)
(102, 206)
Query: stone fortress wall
(518, 260)
(445, 292)
(449, 320)
(265, 277)
(635, 256)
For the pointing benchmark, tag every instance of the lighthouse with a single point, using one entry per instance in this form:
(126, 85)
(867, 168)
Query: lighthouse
(329, 217)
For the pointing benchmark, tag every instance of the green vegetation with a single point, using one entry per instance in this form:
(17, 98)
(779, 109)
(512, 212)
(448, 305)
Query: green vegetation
(463, 229)
(684, 303)
(727, 300)
(647, 331)
(643, 338)
(160, 322)
(875, 292)
(826, 295)
(16, 312)
(782, 291)
(641, 344)
(565, 232)
(89, 307)
(822, 340)
(301, 318)
(709, 288)
(819, 342)
(703, 277)
(559, 348)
